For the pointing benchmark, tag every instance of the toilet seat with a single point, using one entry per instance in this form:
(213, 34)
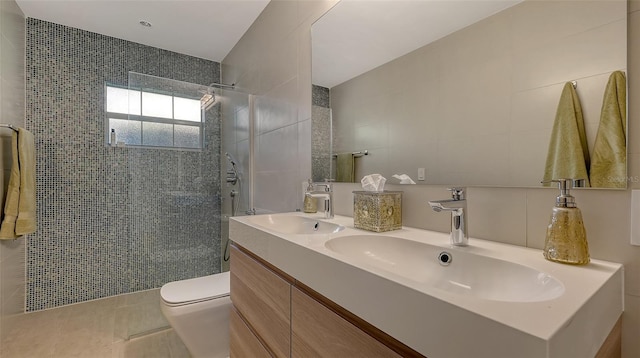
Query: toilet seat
(200, 289)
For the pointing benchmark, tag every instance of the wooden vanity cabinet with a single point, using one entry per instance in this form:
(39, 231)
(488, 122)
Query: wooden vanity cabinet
(244, 343)
(262, 299)
(313, 325)
(276, 315)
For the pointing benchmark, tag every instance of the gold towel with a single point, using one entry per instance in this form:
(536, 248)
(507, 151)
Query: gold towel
(609, 165)
(19, 216)
(345, 168)
(568, 155)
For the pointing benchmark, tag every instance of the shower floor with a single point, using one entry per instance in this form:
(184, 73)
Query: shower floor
(126, 326)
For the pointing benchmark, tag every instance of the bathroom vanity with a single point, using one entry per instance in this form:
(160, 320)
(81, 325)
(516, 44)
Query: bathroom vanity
(286, 316)
(305, 286)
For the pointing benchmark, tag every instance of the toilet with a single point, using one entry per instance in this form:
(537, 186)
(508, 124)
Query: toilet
(198, 310)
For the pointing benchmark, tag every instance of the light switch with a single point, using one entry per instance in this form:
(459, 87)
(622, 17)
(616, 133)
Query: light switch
(635, 217)
(421, 174)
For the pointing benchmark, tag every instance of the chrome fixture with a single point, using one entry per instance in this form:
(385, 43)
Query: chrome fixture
(10, 126)
(208, 98)
(232, 174)
(222, 85)
(457, 205)
(326, 194)
(234, 204)
(445, 258)
(355, 154)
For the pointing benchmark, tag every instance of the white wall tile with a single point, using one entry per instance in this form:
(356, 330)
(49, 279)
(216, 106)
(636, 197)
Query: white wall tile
(575, 17)
(633, 82)
(242, 123)
(528, 147)
(12, 23)
(497, 214)
(280, 64)
(277, 150)
(561, 59)
(277, 191)
(304, 148)
(277, 108)
(304, 74)
(535, 109)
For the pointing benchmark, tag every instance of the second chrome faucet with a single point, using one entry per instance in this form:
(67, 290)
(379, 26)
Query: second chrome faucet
(457, 205)
(325, 194)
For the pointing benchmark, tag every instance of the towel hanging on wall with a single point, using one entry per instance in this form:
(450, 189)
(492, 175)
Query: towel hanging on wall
(345, 168)
(568, 155)
(19, 215)
(609, 162)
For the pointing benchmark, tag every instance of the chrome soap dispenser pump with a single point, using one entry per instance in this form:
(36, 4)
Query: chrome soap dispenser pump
(566, 240)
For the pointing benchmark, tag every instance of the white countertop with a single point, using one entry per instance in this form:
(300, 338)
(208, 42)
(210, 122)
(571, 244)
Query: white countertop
(438, 323)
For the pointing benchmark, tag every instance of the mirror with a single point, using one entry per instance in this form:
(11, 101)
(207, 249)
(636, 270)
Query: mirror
(473, 104)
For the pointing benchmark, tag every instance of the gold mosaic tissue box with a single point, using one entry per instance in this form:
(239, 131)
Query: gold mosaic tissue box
(377, 211)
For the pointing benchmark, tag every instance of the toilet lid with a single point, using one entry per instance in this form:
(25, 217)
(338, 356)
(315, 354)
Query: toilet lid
(196, 289)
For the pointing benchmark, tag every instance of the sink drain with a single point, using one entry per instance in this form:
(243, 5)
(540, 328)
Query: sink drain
(445, 258)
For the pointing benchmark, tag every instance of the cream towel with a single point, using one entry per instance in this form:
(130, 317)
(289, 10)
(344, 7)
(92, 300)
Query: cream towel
(568, 155)
(19, 217)
(345, 168)
(609, 165)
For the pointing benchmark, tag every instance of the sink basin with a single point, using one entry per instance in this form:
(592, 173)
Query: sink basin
(454, 271)
(292, 224)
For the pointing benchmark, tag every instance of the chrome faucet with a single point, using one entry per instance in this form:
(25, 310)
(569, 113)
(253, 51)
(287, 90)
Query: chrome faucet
(326, 194)
(457, 205)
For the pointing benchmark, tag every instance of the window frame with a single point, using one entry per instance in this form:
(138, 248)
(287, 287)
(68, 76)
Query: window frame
(152, 119)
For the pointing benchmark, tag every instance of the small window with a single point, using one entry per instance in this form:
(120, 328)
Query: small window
(148, 119)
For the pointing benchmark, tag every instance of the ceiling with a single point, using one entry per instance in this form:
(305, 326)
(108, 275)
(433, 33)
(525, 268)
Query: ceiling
(356, 36)
(203, 28)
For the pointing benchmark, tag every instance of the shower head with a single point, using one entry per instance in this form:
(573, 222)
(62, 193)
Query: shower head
(207, 100)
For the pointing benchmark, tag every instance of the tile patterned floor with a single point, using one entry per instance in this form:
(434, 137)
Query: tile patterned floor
(96, 329)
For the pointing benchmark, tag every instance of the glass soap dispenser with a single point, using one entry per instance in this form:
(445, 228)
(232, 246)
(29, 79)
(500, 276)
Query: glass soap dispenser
(310, 203)
(566, 240)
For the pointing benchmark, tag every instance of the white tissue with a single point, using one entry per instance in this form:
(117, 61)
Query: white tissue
(373, 182)
(404, 178)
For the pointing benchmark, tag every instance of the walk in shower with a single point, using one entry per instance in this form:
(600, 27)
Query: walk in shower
(180, 191)
(122, 217)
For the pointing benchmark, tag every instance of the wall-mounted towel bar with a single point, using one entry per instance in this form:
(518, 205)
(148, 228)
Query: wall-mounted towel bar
(10, 126)
(355, 154)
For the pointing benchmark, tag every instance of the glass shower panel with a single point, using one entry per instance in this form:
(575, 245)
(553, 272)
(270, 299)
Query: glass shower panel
(174, 206)
(236, 109)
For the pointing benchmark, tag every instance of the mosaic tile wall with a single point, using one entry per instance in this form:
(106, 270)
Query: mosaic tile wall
(320, 134)
(112, 220)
